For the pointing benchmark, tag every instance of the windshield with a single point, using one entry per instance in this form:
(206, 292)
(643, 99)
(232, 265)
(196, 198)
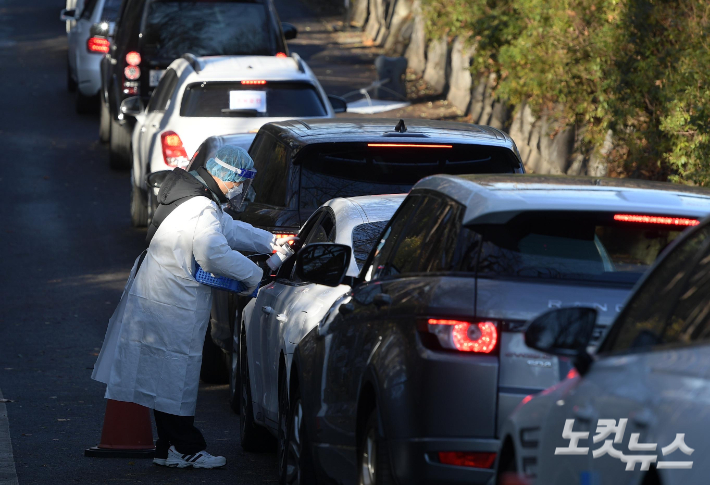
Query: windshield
(273, 99)
(352, 169)
(572, 246)
(174, 28)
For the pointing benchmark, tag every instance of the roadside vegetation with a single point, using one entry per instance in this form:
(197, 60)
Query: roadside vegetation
(640, 68)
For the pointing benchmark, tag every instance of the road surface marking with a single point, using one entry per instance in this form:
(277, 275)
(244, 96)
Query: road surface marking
(8, 475)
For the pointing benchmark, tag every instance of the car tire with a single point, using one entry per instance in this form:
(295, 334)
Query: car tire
(85, 104)
(252, 436)
(119, 146)
(235, 378)
(374, 465)
(104, 122)
(214, 369)
(295, 462)
(71, 84)
(139, 208)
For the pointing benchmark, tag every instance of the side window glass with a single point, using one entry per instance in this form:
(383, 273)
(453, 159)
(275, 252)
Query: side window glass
(163, 93)
(642, 323)
(420, 232)
(324, 231)
(88, 9)
(440, 244)
(271, 164)
(390, 237)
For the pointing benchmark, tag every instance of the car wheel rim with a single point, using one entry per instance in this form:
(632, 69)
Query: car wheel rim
(367, 461)
(293, 453)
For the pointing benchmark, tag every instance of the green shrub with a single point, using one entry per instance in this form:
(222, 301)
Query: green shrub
(638, 67)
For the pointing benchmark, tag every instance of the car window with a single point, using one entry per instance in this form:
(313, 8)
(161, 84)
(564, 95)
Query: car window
(390, 237)
(690, 321)
(162, 94)
(271, 164)
(414, 239)
(111, 10)
(324, 231)
(207, 28)
(89, 6)
(644, 317)
(236, 100)
(575, 246)
(364, 238)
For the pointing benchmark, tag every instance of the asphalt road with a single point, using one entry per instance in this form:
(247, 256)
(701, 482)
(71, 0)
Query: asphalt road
(66, 248)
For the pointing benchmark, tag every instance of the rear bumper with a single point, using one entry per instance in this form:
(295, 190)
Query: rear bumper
(416, 461)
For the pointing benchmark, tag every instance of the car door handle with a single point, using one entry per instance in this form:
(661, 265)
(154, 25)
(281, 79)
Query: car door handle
(382, 299)
(267, 309)
(154, 125)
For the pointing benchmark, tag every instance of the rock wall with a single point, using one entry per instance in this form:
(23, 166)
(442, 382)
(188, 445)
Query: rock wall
(545, 145)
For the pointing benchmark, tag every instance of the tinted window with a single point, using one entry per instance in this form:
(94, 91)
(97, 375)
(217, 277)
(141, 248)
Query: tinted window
(173, 28)
(572, 246)
(111, 10)
(645, 316)
(364, 238)
(690, 321)
(163, 93)
(352, 169)
(419, 233)
(89, 6)
(274, 99)
(324, 231)
(271, 164)
(390, 237)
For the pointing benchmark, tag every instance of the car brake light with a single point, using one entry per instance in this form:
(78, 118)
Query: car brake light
(667, 221)
(572, 373)
(254, 82)
(132, 73)
(174, 153)
(406, 145)
(479, 337)
(98, 45)
(472, 459)
(133, 58)
(281, 55)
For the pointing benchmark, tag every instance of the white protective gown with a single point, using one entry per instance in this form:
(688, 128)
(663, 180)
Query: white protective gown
(153, 348)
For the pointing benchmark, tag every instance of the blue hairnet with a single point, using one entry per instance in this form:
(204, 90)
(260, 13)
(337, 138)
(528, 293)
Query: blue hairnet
(231, 155)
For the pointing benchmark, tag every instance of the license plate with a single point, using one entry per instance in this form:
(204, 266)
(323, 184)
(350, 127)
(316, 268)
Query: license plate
(154, 77)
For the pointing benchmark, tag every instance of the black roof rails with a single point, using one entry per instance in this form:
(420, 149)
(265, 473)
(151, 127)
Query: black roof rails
(194, 61)
(299, 61)
(401, 127)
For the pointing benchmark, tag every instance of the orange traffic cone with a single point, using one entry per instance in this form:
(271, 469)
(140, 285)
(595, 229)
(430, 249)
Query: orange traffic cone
(127, 432)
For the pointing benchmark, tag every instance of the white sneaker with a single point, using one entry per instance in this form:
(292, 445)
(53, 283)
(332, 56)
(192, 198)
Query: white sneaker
(159, 461)
(200, 459)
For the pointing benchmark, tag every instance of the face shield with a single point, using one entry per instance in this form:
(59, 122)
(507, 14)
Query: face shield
(244, 191)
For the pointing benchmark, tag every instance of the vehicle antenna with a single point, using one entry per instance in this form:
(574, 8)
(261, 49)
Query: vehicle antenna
(401, 127)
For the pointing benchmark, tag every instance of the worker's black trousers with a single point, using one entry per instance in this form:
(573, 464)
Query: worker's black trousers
(178, 431)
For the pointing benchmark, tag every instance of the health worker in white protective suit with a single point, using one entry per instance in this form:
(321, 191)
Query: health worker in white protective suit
(153, 348)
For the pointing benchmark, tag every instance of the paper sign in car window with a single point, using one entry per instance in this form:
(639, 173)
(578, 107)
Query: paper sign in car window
(248, 100)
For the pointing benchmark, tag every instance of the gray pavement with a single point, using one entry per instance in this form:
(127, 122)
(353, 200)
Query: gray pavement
(66, 247)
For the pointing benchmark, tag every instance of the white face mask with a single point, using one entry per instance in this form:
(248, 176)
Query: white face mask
(233, 192)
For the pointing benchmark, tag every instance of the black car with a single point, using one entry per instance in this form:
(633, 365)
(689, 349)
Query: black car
(150, 34)
(303, 163)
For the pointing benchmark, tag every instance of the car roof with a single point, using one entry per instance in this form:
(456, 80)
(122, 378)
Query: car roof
(237, 68)
(304, 132)
(497, 198)
(370, 208)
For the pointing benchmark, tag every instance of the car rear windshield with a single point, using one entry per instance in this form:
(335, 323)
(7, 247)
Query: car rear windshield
(207, 28)
(571, 246)
(352, 169)
(273, 99)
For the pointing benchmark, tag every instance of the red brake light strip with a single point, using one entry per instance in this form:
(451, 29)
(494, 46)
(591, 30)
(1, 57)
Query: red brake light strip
(406, 145)
(253, 82)
(668, 221)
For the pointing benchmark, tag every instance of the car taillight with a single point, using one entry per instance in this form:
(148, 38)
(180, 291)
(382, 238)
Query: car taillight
(133, 58)
(478, 337)
(666, 221)
(472, 459)
(132, 73)
(260, 82)
(174, 153)
(98, 45)
(281, 54)
(282, 235)
(406, 145)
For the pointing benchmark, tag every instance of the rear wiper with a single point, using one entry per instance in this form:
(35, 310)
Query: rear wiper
(249, 112)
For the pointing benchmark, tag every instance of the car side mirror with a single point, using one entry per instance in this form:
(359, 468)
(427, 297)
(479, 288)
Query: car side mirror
(339, 104)
(66, 15)
(132, 106)
(156, 179)
(564, 332)
(290, 30)
(323, 263)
